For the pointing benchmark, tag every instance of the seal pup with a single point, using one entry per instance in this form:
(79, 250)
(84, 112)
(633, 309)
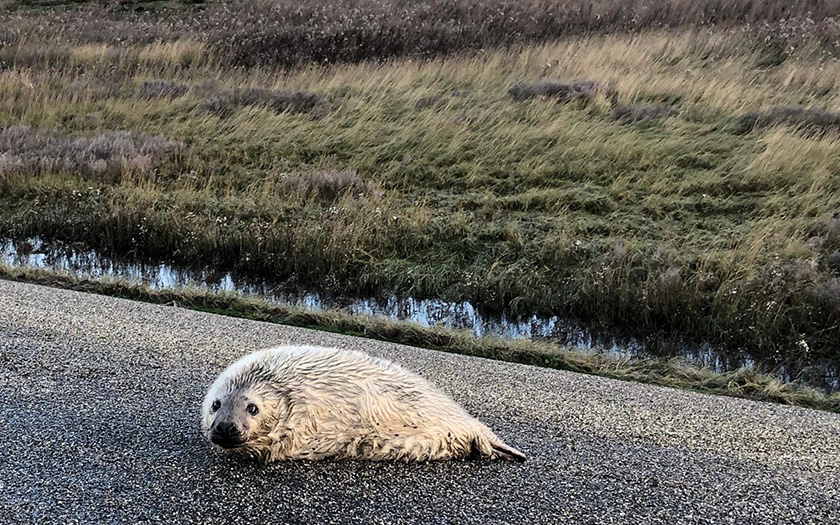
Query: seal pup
(309, 402)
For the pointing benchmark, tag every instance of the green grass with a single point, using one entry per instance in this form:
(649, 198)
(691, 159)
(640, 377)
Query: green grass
(744, 383)
(684, 224)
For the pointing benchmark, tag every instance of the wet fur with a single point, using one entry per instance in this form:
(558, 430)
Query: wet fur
(318, 403)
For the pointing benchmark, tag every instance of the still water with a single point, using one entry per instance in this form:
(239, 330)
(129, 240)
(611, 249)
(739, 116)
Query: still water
(37, 253)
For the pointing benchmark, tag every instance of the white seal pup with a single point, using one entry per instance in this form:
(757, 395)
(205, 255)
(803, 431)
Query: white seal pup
(308, 402)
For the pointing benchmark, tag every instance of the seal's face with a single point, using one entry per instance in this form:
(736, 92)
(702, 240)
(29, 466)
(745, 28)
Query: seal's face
(236, 419)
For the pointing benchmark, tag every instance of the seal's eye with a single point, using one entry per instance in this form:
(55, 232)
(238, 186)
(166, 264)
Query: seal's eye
(252, 409)
(216, 405)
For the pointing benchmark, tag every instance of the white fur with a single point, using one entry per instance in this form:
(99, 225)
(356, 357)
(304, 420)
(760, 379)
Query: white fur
(320, 403)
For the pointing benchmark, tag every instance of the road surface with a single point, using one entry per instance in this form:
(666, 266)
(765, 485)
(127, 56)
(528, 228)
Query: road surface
(100, 412)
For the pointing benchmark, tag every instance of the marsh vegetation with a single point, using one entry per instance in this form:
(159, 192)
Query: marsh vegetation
(670, 170)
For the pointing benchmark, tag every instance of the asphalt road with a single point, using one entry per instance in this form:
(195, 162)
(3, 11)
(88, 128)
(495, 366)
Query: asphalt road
(100, 413)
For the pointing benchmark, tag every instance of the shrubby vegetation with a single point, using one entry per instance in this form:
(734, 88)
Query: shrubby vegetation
(811, 119)
(108, 155)
(278, 101)
(271, 33)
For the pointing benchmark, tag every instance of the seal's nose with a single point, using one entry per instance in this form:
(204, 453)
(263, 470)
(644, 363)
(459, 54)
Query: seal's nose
(226, 435)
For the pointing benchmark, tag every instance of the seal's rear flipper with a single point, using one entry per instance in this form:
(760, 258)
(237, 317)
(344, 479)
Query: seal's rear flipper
(502, 451)
(490, 446)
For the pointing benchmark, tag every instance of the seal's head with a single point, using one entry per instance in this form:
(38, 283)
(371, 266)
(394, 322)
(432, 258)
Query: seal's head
(242, 408)
(232, 419)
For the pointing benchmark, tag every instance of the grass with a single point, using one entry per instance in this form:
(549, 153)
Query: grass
(642, 201)
(743, 383)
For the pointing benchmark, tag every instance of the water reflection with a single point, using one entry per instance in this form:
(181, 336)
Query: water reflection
(36, 253)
